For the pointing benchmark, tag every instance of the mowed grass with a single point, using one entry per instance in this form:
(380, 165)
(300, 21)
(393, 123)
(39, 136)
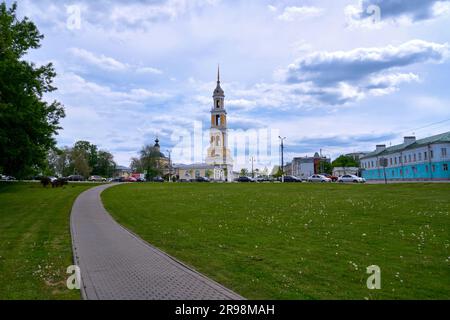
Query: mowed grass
(299, 241)
(35, 242)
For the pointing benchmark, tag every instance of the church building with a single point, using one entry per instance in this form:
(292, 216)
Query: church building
(218, 164)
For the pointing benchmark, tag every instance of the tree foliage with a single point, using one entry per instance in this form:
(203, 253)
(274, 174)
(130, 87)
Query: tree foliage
(345, 161)
(27, 122)
(150, 162)
(83, 158)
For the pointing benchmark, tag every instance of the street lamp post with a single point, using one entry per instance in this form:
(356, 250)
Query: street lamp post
(282, 157)
(253, 161)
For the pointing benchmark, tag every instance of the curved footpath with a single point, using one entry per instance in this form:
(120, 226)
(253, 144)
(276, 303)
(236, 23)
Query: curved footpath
(117, 264)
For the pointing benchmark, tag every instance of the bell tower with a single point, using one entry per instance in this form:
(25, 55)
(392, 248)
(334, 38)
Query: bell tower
(218, 152)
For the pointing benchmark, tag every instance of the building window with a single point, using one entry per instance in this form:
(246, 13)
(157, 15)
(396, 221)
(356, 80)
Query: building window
(372, 164)
(425, 156)
(390, 161)
(420, 156)
(395, 160)
(406, 161)
(444, 152)
(431, 154)
(415, 159)
(445, 167)
(409, 158)
(426, 169)
(433, 168)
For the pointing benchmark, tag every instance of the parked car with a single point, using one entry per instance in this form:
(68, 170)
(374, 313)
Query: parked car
(7, 178)
(292, 179)
(318, 178)
(97, 179)
(333, 178)
(141, 180)
(117, 179)
(202, 179)
(158, 179)
(245, 179)
(131, 179)
(263, 179)
(351, 178)
(75, 177)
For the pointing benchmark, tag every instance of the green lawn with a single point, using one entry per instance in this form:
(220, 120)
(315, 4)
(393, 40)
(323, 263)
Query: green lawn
(299, 241)
(35, 244)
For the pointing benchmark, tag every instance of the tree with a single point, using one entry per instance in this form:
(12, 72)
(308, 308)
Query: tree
(90, 151)
(150, 162)
(345, 162)
(27, 122)
(83, 158)
(58, 161)
(105, 165)
(136, 165)
(327, 167)
(80, 162)
(244, 172)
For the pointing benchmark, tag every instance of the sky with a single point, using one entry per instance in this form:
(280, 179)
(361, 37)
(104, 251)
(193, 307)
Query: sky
(338, 76)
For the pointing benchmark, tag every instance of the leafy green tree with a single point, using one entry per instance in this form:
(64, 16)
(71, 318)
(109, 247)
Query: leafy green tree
(244, 172)
(149, 159)
(80, 162)
(90, 151)
(326, 167)
(27, 122)
(105, 165)
(345, 161)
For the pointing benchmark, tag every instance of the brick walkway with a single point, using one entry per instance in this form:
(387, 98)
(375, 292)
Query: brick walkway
(117, 264)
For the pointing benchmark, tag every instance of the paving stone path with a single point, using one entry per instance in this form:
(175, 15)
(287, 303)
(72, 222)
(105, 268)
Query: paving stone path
(117, 264)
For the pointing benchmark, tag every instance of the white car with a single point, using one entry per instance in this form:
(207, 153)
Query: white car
(318, 178)
(351, 178)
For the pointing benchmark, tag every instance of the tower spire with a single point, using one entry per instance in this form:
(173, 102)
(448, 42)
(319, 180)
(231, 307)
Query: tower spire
(218, 73)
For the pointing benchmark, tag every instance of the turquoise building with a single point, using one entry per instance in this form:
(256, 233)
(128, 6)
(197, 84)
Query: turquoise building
(414, 160)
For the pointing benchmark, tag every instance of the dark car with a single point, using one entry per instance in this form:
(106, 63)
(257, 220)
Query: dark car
(202, 179)
(158, 179)
(292, 179)
(118, 179)
(75, 177)
(245, 179)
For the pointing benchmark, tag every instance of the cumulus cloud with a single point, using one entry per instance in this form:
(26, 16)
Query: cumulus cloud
(299, 13)
(100, 61)
(325, 68)
(409, 11)
(110, 64)
(71, 83)
(340, 76)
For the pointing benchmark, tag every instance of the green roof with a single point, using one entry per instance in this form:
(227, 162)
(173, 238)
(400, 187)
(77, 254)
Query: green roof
(440, 138)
